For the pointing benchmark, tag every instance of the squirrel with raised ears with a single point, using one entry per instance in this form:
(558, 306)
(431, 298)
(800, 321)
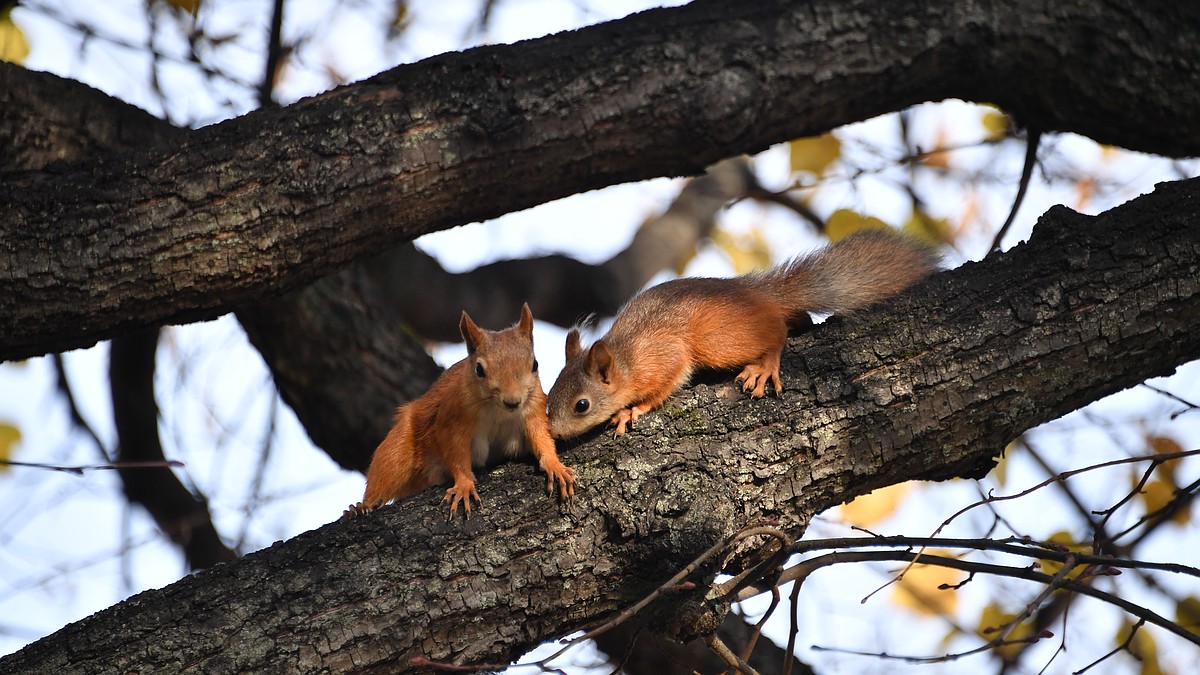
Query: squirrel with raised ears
(487, 406)
(669, 331)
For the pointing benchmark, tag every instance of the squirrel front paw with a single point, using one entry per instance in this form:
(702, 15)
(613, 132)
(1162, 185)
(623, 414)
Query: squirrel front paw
(565, 477)
(461, 492)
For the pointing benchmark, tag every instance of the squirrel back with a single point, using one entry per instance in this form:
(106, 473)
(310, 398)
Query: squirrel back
(486, 406)
(667, 332)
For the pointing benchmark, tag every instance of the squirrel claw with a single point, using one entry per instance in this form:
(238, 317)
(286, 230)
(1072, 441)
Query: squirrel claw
(461, 494)
(564, 476)
(754, 378)
(625, 416)
(360, 508)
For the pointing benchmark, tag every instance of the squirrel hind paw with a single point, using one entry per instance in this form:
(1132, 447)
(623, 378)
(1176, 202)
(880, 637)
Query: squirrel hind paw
(754, 378)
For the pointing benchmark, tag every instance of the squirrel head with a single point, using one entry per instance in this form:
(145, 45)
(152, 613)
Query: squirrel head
(583, 395)
(501, 363)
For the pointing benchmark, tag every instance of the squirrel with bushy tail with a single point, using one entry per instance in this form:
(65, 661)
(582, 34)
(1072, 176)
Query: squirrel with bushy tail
(668, 332)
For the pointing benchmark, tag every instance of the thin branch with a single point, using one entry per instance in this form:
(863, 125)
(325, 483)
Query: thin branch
(79, 469)
(727, 655)
(64, 387)
(266, 88)
(1154, 459)
(1163, 392)
(674, 582)
(1124, 646)
(805, 569)
(1032, 139)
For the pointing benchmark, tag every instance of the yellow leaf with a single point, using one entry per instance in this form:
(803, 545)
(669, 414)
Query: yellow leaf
(1084, 189)
(1158, 493)
(1142, 647)
(999, 472)
(190, 6)
(13, 45)
(400, 17)
(996, 125)
(868, 509)
(993, 621)
(921, 589)
(939, 156)
(1165, 445)
(845, 222)
(815, 153)
(924, 228)
(1065, 540)
(9, 435)
(747, 252)
(1187, 614)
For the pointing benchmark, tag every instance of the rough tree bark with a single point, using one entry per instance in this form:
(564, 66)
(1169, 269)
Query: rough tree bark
(931, 387)
(278, 198)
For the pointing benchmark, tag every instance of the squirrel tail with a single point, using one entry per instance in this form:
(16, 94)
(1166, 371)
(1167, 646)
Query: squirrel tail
(855, 273)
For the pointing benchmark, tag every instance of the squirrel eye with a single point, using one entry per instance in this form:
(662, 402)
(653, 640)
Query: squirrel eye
(479, 369)
(535, 365)
(582, 405)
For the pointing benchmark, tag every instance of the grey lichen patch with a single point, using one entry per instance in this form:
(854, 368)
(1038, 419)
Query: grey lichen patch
(680, 490)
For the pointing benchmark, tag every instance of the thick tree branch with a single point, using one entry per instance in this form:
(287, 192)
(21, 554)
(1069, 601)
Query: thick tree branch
(279, 198)
(931, 387)
(183, 517)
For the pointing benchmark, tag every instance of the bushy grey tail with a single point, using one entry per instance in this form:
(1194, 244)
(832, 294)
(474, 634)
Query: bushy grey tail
(855, 273)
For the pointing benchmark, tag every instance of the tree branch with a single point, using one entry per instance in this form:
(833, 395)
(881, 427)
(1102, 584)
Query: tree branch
(932, 386)
(278, 198)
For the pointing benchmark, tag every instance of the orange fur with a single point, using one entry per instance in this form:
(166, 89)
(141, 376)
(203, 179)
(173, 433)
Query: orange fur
(488, 405)
(669, 331)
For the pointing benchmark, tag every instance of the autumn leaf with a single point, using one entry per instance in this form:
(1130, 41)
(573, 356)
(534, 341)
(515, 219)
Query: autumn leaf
(927, 229)
(993, 620)
(929, 589)
(1187, 614)
(14, 48)
(1142, 647)
(9, 435)
(866, 510)
(747, 252)
(845, 222)
(1065, 540)
(190, 6)
(996, 125)
(1158, 493)
(1165, 445)
(815, 153)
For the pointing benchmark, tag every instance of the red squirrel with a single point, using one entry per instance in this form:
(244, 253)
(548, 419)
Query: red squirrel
(669, 331)
(488, 405)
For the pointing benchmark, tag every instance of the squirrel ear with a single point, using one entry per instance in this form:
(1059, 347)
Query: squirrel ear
(471, 334)
(573, 344)
(600, 361)
(525, 325)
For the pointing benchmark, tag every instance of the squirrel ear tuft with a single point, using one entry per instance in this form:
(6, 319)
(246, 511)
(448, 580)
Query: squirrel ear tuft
(471, 334)
(525, 325)
(600, 361)
(573, 344)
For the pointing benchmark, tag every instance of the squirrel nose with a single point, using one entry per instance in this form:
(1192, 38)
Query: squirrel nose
(512, 405)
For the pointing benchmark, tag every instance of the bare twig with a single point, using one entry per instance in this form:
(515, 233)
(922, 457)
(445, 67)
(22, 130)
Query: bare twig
(720, 649)
(673, 582)
(1032, 140)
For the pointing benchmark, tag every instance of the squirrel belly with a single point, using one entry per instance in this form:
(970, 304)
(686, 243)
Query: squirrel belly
(488, 405)
(667, 332)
